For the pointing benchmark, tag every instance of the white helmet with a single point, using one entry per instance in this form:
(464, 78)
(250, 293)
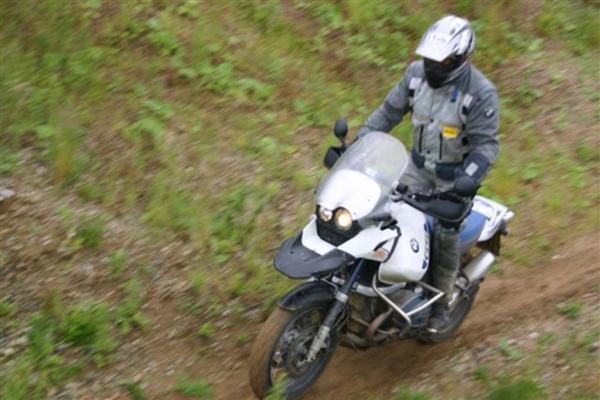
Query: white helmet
(446, 48)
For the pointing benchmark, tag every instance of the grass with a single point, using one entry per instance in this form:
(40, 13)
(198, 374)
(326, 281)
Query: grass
(40, 367)
(89, 233)
(407, 394)
(523, 389)
(128, 313)
(134, 389)
(570, 309)
(206, 330)
(196, 388)
(7, 308)
(117, 262)
(205, 123)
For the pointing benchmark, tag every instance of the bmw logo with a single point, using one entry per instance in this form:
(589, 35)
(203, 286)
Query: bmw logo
(414, 245)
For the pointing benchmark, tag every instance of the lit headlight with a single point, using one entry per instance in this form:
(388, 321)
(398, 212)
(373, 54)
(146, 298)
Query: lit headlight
(343, 219)
(325, 214)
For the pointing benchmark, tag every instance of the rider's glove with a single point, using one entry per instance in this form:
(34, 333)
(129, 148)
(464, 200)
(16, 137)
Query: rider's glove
(468, 178)
(475, 166)
(465, 186)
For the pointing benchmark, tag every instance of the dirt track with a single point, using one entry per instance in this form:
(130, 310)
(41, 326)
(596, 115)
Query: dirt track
(503, 303)
(518, 297)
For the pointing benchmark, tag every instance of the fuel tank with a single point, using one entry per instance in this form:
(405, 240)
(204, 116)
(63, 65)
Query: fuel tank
(410, 257)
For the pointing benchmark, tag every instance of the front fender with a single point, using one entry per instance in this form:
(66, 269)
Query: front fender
(296, 261)
(307, 294)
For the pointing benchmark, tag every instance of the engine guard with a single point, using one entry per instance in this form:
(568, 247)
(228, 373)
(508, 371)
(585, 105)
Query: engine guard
(297, 262)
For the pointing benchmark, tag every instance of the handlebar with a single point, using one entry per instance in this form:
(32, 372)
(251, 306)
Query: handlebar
(446, 205)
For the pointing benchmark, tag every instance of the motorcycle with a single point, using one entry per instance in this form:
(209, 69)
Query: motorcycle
(365, 256)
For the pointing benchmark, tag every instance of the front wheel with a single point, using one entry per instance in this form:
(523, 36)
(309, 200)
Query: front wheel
(281, 348)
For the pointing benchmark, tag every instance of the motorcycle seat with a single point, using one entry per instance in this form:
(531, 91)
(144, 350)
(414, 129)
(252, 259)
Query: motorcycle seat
(471, 230)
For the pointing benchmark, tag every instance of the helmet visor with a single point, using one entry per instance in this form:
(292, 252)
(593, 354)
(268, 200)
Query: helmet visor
(440, 73)
(445, 66)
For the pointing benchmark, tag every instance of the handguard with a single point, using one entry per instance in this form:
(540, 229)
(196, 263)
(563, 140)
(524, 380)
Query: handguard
(447, 207)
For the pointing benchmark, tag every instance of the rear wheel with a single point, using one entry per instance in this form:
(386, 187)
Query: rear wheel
(281, 349)
(457, 316)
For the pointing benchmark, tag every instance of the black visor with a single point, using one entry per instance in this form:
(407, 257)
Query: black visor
(437, 73)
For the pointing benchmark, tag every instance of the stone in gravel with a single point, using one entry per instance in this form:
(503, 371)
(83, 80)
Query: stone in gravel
(6, 194)
(9, 351)
(534, 335)
(20, 342)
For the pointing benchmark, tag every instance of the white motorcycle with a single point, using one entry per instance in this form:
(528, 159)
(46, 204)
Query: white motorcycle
(365, 256)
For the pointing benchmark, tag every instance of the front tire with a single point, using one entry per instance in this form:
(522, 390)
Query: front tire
(279, 349)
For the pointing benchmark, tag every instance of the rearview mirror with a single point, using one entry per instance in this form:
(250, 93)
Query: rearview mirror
(340, 130)
(332, 155)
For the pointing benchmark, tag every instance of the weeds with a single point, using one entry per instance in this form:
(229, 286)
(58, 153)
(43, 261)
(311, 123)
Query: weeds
(522, 389)
(117, 262)
(7, 308)
(277, 391)
(134, 389)
(198, 278)
(89, 325)
(206, 330)
(197, 388)
(570, 309)
(89, 233)
(128, 313)
(407, 394)
(509, 351)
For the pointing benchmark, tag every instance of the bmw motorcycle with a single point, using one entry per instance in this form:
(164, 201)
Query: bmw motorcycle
(364, 258)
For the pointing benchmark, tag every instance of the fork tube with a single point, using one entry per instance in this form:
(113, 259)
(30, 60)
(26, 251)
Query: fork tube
(341, 298)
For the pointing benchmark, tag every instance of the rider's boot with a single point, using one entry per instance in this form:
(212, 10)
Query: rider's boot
(446, 255)
(440, 318)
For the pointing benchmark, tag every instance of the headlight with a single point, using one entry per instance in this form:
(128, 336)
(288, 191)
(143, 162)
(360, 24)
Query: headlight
(325, 214)
(343, 219)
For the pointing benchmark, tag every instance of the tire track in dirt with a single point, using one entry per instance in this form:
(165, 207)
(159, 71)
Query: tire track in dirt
(504, 301)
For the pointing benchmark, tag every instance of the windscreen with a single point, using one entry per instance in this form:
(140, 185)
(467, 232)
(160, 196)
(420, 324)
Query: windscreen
(377, 155)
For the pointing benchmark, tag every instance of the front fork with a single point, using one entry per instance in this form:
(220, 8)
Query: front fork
(341, 299)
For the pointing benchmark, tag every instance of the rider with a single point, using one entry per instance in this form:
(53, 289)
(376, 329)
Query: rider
(455, 115)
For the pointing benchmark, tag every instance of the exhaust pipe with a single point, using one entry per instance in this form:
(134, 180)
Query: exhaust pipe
(479, 266)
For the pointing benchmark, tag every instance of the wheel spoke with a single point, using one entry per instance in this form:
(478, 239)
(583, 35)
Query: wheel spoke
(291, 350)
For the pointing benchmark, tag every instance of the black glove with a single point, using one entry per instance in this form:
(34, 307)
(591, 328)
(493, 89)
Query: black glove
(465, 186)
(468, 178)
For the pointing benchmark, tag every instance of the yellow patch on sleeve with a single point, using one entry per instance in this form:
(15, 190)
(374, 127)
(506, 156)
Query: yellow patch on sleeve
(450, 132)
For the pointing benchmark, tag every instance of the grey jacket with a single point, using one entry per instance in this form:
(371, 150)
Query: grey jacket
(455, 126)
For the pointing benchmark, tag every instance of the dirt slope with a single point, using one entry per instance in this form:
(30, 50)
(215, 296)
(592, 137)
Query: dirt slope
(170, 347)
(504, 302)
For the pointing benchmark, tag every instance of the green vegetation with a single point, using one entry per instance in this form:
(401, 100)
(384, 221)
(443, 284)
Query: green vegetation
(570, 309)
(206, 330)
(134, 389)
(203, 123)
(509, 351)
(116, 262)
(84, 325)
(197, 388)
(277, 391)
(89, 233)
(7, 308)
(407, 394)
(128, 314)
(521, 389)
